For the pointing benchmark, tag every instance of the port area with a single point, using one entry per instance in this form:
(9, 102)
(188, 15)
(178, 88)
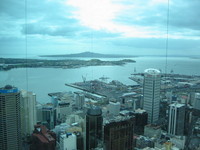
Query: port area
(113, 90)
(173, 82)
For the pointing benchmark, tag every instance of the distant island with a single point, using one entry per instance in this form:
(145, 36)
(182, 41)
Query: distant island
(91, 55)
(10, 63)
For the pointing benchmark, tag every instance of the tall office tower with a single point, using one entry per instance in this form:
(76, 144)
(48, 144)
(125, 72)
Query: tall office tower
(118, 133)
(151, 93)
(141, 118)
(10, 119)
(94, 123)
(28, 112)
(176, 119)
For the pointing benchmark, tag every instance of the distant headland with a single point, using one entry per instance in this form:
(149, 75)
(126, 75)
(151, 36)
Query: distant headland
(10, 63)
(91, 55)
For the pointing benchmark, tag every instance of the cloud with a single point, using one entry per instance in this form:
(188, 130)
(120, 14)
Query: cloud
(185, 14)
(118, 26)
(175, 45)
(101, 15)
(51, 29)
(139, 19)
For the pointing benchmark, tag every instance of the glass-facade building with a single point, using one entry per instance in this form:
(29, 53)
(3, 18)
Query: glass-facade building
(94, 131)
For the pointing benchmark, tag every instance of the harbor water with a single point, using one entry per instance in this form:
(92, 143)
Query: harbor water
(47, 80)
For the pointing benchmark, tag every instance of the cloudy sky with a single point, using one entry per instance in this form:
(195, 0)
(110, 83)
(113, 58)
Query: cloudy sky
(133, 27)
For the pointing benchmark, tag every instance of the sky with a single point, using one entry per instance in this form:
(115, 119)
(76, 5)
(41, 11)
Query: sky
(37, 27)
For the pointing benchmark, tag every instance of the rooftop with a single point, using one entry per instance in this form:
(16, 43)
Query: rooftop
(94, 111)
(152, 71)
(140, 111)
(178, 105)
(8, 89)
(110, 119)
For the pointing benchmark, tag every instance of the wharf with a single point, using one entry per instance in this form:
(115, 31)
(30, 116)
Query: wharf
(59, 95)
(113, 90)
(84, 89)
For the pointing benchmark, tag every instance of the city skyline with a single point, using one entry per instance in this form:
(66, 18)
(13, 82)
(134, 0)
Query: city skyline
(106, 26)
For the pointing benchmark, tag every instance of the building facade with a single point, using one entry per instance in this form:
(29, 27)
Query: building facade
(151, 93)
(94, 131)
(141, 118)
(28, 112)
(68, 141)
(80, 100)
(176, 119)
(197, 101)
(10, 119)
(47, 115)
(42, 139)
(118, 134)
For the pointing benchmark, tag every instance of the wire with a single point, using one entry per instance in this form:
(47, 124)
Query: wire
(26, 45)
(167, 40)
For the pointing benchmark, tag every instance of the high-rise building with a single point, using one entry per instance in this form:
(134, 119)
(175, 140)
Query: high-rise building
(94, 123)
(141, 117)
(46, 114)
(10, 119)
(176, 119)
(118, 133)
(151, 93)
(28, 112)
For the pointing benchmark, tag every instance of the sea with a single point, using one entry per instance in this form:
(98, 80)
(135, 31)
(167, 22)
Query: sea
(42, 81)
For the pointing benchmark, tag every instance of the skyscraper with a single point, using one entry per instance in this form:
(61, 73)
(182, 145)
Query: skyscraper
(141, 117)
(94, 122)
(118, 133)
(176, 119)
(151, 93)
(10, 120)
(28, 112)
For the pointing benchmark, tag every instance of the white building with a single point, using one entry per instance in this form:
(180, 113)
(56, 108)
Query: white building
(151, 93)
(63, 109)
(176, 119)
(68, 141)
(179, 141)
(28, 112)
(197, 101)
(114, 108)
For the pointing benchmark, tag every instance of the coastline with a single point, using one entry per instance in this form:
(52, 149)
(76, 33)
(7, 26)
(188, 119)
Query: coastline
(11, 63)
